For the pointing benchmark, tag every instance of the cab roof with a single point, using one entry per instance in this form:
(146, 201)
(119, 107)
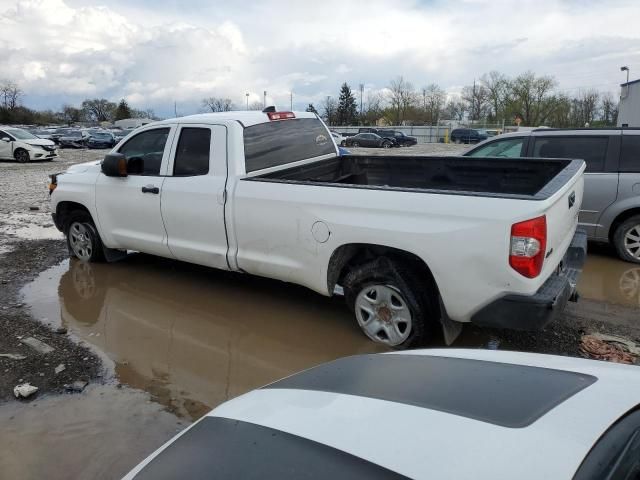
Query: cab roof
(246, 118)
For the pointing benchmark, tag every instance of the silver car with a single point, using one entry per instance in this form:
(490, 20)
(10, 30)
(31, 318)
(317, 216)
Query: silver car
(611, 204)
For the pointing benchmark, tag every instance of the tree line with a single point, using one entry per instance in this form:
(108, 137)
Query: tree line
(90, 110)
(494, 99)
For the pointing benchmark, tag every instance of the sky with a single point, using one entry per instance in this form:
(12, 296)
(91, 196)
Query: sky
(162, 54)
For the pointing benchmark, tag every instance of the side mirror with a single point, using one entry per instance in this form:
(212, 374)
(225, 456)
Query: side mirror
(5, 139)
(114, 165)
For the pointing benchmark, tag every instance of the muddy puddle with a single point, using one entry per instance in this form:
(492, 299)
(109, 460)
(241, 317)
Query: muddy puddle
(608, 279)
(190, 336)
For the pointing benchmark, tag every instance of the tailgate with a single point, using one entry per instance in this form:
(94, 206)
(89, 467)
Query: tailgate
(562, 220)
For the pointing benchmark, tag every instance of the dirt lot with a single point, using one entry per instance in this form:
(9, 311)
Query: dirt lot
(161, 342)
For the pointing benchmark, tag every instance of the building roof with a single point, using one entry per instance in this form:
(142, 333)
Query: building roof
(630, 83)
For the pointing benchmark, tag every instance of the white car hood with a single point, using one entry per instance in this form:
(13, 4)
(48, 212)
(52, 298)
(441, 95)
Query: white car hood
(38, 141)
(84, 167)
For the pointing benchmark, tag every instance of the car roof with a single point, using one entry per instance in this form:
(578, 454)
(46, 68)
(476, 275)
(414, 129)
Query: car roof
(447, 413)
(246, 118)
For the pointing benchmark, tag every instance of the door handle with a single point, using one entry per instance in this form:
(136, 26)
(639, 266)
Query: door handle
(150, 189)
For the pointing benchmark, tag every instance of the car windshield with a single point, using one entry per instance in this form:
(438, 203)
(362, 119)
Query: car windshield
(20, 134)
(101, 136)
(74, 133)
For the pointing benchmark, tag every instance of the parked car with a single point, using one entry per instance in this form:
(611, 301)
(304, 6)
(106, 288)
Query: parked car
(100, 140)
(369, 140)
(120, 134)
(339, 139)
(18, 144)
(433, 414)
(412, 241)
(46, 134)
(73, 139)
(467, 135)
(611, 207)
(399, 138)
(57, 133)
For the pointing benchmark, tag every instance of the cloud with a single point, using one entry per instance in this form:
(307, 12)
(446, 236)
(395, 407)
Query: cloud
(156, 52)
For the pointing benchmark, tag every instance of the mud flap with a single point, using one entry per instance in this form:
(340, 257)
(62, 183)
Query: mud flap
(450, 328)
(112, 255)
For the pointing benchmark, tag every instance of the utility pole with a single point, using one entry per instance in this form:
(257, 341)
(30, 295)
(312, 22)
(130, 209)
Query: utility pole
(264, 102)
(361, 92)
(473, 101)
(329, 112)
(424, 103)
(247, 94)
(175, 108)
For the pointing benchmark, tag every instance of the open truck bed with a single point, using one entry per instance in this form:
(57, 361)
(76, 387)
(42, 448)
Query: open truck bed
(530, 179)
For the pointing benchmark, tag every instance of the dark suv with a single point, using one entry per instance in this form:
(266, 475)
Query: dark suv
(610, 209)
(467, 135)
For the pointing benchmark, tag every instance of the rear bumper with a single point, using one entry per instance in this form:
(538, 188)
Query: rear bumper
(521, 312)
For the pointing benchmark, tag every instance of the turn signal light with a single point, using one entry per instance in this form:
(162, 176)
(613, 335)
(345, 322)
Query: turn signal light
(280, 115)
(528, 246)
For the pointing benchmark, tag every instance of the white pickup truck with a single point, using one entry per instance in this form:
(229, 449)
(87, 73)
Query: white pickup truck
(414, 242)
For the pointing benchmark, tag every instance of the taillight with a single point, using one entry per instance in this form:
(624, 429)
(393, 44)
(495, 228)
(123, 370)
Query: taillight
(280, 115)
(528, 246)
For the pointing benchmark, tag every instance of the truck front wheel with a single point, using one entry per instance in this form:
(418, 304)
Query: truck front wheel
(83, 239)
(389, 305)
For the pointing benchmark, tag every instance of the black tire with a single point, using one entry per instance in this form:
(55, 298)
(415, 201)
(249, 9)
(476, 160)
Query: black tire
(355, 144)
(82, 220)
(421, 302)
(343, 143)
(624, 239)
(21, 155)
(386, 144)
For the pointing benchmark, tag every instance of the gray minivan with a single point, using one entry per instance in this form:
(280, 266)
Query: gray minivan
(611, 204)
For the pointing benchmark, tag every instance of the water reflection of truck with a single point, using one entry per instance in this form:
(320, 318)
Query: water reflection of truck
(196, 336)
(415, 242)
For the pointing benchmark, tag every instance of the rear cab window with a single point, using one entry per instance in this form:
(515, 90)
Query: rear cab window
(280, 142)
(591, 149)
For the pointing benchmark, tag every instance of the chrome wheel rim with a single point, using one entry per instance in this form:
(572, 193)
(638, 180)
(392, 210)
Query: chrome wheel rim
(80, 241)
(84, 282)
(383, 314)
(385, 145)
(632, 242)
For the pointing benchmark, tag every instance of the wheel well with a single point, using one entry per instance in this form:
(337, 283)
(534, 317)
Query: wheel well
(345, 257)
(621, 218)
(64, 209)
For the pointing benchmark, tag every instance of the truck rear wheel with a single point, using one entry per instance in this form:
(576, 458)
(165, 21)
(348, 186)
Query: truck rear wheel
(83, 239)
(389, 303)
(627, 239)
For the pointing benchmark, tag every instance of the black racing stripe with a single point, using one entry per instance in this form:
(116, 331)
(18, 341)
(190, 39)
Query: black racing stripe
(221, 448)
(500, 393)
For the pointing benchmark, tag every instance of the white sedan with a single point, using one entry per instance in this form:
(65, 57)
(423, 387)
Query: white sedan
(424, 414)
(18, 144)
(338, 138)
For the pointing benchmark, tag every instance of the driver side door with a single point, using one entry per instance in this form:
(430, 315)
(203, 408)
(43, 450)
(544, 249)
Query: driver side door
(129, 207)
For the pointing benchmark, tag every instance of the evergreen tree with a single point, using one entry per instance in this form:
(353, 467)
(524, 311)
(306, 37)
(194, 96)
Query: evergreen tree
(347, 110)
(123, 111)
(311, 108)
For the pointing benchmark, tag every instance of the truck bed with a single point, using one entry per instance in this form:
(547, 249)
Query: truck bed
(526, 178)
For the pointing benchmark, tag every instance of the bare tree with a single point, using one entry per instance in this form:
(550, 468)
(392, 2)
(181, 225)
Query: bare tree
(585, 107)
(99, 109)
(433, 100)
(498, 90)
(329, 110)
(455, 109)
(476, 97)
(217, 104)
(401, 97)
(10, 93)
(373, 108)
(608, 109)
(71, 114)
(256, 106)
(532, 97)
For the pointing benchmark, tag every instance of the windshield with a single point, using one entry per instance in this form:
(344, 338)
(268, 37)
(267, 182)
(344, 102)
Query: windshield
(103, 136)
(20, 134)
(74, 133)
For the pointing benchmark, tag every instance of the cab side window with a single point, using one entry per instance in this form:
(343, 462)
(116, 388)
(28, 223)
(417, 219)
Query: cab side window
(192, 154)
(630, 154)
(144, 151)
(593, 150)
(509, 148)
